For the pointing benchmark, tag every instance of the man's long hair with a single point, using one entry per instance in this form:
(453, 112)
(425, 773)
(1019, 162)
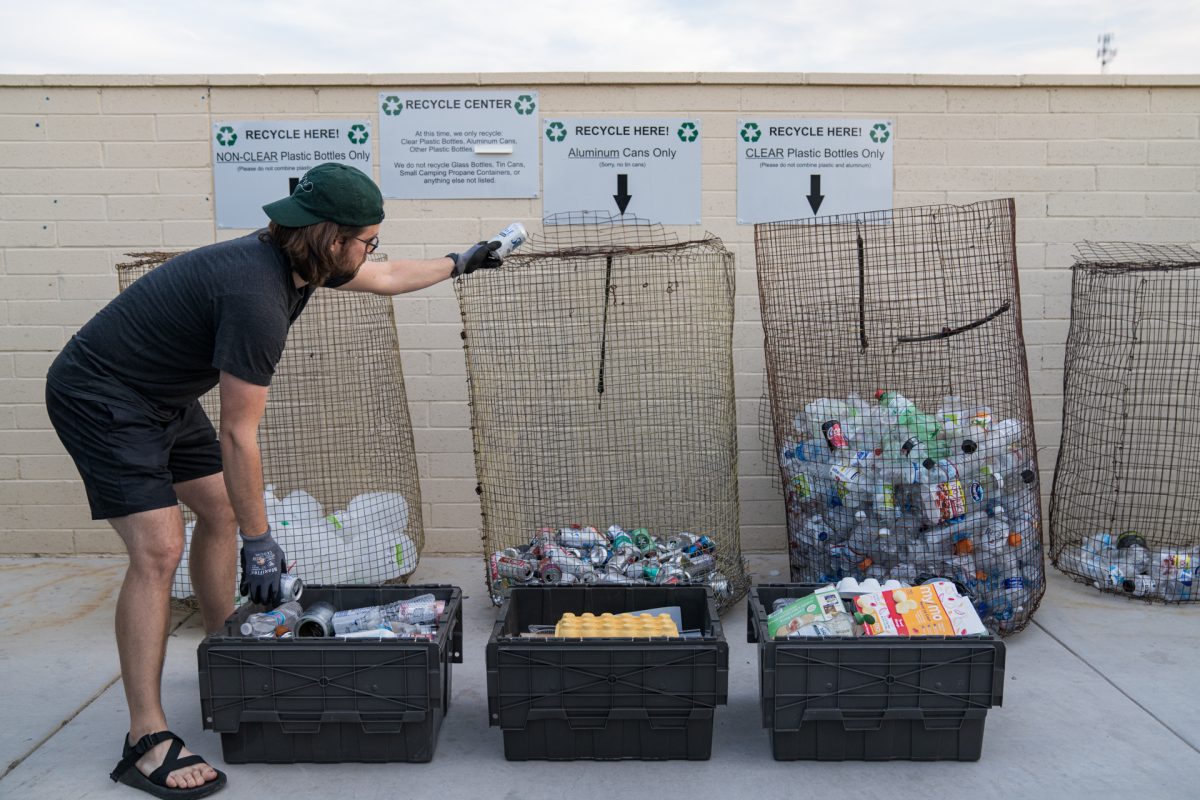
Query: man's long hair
(308, 248)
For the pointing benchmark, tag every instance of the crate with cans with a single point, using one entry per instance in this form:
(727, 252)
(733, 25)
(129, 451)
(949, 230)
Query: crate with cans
(607, 672)
(345, 673)
(877, 697)
(581, 554)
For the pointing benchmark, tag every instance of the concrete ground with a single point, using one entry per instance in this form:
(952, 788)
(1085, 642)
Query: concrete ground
(1101, 697)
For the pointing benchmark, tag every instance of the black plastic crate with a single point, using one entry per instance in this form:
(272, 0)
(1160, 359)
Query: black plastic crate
(882, 698)
(283, 701)
(649, 699)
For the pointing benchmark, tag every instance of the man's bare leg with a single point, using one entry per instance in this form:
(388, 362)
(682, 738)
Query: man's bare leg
(212, 561)
(154, 540)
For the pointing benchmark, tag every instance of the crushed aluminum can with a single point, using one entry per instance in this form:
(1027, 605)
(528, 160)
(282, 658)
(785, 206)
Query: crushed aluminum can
(614, 531)
(568, 578)
(642, 539)
(699, 565)
(511, 552)
(519, 569)
(581, 536)
(634, 570)
(668, 573)
(621, 540)
(701, 545)
(619, 561)
(651, 570)
(719, 584)
(598, 555)
(567, 561)
(549, 572)
(681, 541)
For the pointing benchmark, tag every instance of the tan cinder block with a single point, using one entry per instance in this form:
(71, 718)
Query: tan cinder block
(9, 469)
(453, 541)
(412, 310)
(1025, 179)
(945, 126)
(1124, 152)
(464, 231)
(349, 100)
(37, 542)
(26, 234)
(186, 181)
(160, 207)
(449, 362)
(1056, 229)
(235, 100)
(32, 416)
(1168, 101)
(47, 468)
(877, 101)
(91, 128)
(1146, 126)
(50, 154)
(56, 261)
(116, 234)
(103, 540)
(1097, 204)
(765, 539)
(997, 100)
(429, 440)
(157, 154)
(592, 101)
(182, 127)
(27, 337)
(445, 414)
(1182, 153)
(23, 128)
(1046, 126)
(55, 208)
(444, 310)
(457, 515)
(1151, 179)
(447, 490)
(764, 100)
(1100, 100)
(919, 178)
(187, 234)
(1030, 154)
(451, 465)
(37, 493)
(1177, 204)
(159, 100)
(435, 387)
(1150, 230)
(28, 287)
(919, 152)
(414, 363)
(47, 100)
(54, 312)
(77, 181)
(685, 100)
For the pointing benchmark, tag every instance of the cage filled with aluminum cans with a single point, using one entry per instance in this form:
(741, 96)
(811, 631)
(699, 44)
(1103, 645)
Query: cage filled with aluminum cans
(1127, 482)
(900, 406)
(342, 494)
(600, 365)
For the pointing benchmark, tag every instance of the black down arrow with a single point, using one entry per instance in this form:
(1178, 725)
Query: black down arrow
(814, 192)
(622, 196)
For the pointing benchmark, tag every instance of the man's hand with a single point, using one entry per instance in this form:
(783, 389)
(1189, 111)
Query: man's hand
(262, 564)
(478, 256)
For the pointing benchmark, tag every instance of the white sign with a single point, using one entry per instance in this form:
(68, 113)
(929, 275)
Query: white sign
(463, 144)
(258, 162)
(804, 168)
(648, 168)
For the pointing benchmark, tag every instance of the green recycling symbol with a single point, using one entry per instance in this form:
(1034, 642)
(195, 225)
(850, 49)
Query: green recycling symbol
(226, 137)
(688, 132)
(525, 104)
(880, 133)
(556, 132)
(358, 134)
(750, 132)
(392, 105)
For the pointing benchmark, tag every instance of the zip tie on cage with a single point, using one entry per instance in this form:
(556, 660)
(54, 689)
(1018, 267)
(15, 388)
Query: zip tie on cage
(862, 296)
(604, 330)
(947, 331)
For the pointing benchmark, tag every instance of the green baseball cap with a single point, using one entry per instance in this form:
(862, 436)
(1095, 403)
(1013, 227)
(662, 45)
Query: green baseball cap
(330, 193)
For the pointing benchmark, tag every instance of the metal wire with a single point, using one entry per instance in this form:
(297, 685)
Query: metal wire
(600, 367)
(922, 302)
(1127, 483)
(336, 441)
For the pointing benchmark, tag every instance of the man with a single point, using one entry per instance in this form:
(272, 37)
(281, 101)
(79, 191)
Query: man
(123, 397)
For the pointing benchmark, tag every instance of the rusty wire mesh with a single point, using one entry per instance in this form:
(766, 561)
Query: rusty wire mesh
(1127, 484)
(339, 463)
(600, 367)
(900, 406)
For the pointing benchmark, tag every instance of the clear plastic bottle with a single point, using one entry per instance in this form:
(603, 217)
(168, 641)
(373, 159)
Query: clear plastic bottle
(263, 625)
(816, 532)
(418, 610)
(354, 620)
(942, 497)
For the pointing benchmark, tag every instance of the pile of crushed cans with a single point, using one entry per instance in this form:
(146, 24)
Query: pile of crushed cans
(582, 554)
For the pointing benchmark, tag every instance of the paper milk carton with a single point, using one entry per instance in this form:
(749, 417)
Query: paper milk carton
(931, 609)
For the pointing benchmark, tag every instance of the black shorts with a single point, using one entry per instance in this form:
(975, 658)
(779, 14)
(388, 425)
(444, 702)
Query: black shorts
(130, 460)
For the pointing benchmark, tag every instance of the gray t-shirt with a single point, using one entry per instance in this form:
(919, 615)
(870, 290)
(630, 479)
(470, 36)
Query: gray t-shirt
(163, 342)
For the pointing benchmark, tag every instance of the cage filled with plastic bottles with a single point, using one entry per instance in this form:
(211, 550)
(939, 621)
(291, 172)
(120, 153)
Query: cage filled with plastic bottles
(1127, 483)
(600, 367)
(899, 397)
(342, 494)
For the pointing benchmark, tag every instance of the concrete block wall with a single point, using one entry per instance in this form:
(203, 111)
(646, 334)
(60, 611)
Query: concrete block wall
(93, 167)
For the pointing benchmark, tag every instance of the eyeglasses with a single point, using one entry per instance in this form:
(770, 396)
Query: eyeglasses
(371, 243)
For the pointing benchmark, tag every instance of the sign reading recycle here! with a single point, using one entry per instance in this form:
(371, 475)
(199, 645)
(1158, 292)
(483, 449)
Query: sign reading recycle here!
(805, 168)
(460, 144)
(256, 161)
(648, 168)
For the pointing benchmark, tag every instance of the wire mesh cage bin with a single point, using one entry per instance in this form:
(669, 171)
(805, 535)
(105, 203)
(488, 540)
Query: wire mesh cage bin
(1127, 483)
(342, 493)
(600, 368)
(900, 407)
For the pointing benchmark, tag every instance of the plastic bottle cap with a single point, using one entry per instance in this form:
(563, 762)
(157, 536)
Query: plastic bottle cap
(1014, 540)
(969, 446)
(929, 463)
(879, 394)
(1028, 476)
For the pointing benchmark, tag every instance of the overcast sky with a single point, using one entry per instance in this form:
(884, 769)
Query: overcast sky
(356, 36)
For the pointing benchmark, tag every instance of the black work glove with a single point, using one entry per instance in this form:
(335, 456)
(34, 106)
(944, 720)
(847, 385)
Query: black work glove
(478, 256)
(262, 564)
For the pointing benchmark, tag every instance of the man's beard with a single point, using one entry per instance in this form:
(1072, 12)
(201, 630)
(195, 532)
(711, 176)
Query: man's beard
(347, 270)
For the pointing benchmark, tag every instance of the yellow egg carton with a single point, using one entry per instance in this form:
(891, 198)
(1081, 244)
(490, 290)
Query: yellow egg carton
(616, 626)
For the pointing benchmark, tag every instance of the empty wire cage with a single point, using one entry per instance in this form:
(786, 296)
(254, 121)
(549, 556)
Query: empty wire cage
(1125, 496)
(342, 492)
(900, 406)
(600, 366)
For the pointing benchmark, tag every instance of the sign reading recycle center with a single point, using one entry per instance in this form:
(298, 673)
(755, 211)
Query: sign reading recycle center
(804, 168)
(458, 145)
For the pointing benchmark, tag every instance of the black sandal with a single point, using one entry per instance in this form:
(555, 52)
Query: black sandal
(156, 782)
